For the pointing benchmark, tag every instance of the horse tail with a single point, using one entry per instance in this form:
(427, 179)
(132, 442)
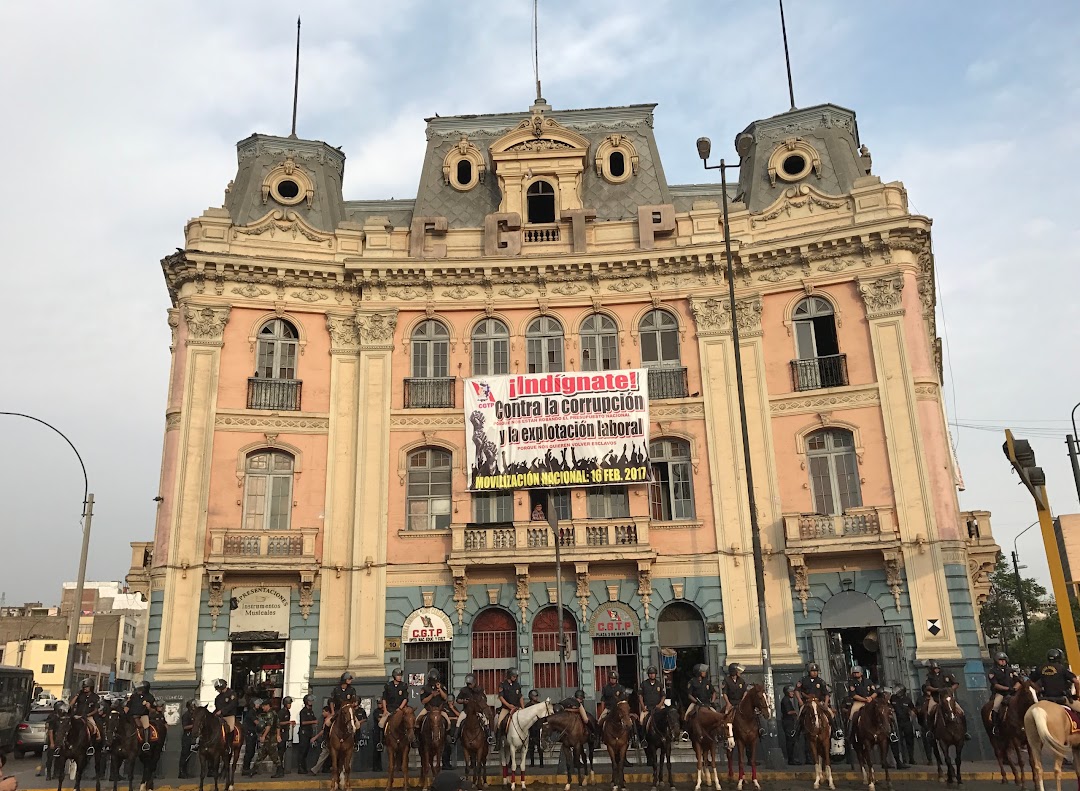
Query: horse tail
(1038, 716)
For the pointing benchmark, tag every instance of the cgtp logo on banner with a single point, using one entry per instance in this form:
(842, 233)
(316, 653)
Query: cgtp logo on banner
(556, 430)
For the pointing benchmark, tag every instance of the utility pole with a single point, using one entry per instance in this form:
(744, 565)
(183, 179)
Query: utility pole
(76, 604)
(553, 523)
(1020, 592)
(1022, 458)
(1074, 458)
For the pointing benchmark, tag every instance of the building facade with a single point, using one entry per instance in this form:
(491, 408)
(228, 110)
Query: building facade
(315, 516)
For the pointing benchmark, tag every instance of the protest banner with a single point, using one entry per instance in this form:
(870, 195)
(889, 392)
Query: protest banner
(527, 431)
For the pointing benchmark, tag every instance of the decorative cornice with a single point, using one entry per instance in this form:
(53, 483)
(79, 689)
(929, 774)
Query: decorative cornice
(927, 391)
(712, 316)
(957, 555)
(174, 324)
(172, 421)
(284, 423)
(376, 330)
(677, 411)
(445, 421)
(883, 297)
(344, 338)
(811, 404)
(206, 324)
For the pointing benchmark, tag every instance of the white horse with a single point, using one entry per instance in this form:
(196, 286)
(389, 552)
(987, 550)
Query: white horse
(516, 741)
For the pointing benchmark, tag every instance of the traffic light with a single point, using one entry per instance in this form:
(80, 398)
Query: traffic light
(1022, 458)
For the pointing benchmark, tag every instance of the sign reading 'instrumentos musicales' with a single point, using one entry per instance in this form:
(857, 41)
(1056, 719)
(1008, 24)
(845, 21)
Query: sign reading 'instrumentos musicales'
(527, 431)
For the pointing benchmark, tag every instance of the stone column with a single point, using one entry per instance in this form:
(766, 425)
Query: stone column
(923, 554)
(190, 491)
(730, 509)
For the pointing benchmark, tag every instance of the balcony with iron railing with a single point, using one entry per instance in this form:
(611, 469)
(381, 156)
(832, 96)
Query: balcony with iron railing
(668, 383)
(541, 234)
(820, 372)
(500, 543)
(868, 527)
(434, 393)
(277, 394)
(235, 548)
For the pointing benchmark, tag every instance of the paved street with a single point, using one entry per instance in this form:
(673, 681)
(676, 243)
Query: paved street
(979, 777)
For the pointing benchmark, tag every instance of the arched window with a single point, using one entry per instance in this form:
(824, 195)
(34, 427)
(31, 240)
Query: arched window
(671, 491)
(834, 471)
(540, 201)
(544, 342)
(430, 350)
(268, 483)
(599, 343)
(494, 647)
(659, 333)
(490, 348)
(819, 362)
(545, 634)
(277, 350)
(428, 491)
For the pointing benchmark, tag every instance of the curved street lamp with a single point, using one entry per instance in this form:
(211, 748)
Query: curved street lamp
(87, 516)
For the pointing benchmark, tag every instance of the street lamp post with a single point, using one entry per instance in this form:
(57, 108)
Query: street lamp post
(553, 523)
(1073, 442)
(1019, 581)
(704, 147)
(87, 517)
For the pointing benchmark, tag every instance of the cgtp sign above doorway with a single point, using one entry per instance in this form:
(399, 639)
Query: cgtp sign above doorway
(427, 625)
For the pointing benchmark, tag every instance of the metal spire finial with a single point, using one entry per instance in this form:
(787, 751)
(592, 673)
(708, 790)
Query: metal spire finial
(787, 56)
(536, 49)
(296, 79)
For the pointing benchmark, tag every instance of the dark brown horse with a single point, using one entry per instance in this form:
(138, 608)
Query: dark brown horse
(474, 742)
(430, 741)
(661, 731)
(75, 743)
(709, 729)
(342, 745)
(947, 724)
(1007, 735)
(397, 740)
(122, 738)
(149, 759)
(814, 721)
(872, 728)
(575, 739)
(618, 727)
(744, 727)
(218, 751)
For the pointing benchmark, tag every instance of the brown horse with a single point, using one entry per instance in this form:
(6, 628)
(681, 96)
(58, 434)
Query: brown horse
(342, 746)
(1048, 724)
(574, 738)
(430, 741)
(74, 742)
(474, 741)
(872, 728)
(397, 740)
(744, 727)
(708, 729)
(218, 752)
(947, 724)
(618, 727)
(1007, 737)
(815, 722)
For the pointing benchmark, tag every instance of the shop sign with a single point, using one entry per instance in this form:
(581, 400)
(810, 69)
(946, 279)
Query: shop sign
(614, 619)
(260, 609)
(427, 625)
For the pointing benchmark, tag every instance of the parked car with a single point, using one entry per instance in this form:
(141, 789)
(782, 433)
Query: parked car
(30, 736)
(44, 701)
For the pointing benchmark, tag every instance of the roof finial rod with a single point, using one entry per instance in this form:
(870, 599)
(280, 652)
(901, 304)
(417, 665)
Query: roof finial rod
(296, 79)
(787, 57)
(536, 49)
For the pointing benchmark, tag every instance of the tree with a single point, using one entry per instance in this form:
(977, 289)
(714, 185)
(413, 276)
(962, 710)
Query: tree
(1000, 614)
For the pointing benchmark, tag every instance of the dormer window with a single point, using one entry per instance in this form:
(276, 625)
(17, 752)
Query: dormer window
(540, 199)
(617, 164)
(464, 171)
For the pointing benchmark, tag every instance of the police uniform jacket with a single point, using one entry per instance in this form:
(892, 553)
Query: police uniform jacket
(394, 693)
(1002, 677)
(652, 692)
(936, 681)
(307, 714)
(863, 688)
(734, 688)
(510, 691)
(612, 694)
(430, 688)
(467, 693)
(701, 691)
(340, 696)
(85, 704)
(810, 687)
(902, 705)
(570, 704)
(789, 708)
(225, 703)
(140, 702)
(1055, 680)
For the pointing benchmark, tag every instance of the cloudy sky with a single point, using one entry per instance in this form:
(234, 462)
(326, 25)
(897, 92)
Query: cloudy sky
(120, 121)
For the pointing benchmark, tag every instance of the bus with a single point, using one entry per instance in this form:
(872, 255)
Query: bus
(16, 692)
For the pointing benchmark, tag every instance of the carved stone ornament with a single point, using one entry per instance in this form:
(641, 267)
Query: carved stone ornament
(307, 593)
(801, 575)
(882, 297)
(893, 577)
(644, 589)
(522, 596)
(216, 599)
(461, 594)
(308, 295)
(343, 335)
(376, 329)
(583, 593)
(205, 324)
(712, 316)
(570, 288)
(174, 324)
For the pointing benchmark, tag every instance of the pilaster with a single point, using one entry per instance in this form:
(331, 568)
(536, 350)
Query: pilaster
(205, 326)
(733, 536)
(922, 549)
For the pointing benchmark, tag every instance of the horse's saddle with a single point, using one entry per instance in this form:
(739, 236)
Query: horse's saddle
(1074, 720)
(233, 738)
(153, 734)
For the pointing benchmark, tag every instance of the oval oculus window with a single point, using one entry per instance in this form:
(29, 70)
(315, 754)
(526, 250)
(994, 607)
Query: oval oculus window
(288, 189)
(617, 164)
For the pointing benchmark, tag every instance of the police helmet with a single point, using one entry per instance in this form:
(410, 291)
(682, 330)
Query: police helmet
(1054, 655)
(470, 679)
(787, 689)
(144, 686)
(308, 700)
(813, 668)
(580, 694)
(1001, 655)
(190, 705)
(733, 668)
(512, 673)
(87, 684)
(286, 701)
(900, 690)
(346, 678)
(397, 672)
(534, 695)
(221, 684)
(433, 675)
(856, 670)
(614, 674)
(651, 670)
(701, 668)
(58, 706)
(260, 702)
(933, 665)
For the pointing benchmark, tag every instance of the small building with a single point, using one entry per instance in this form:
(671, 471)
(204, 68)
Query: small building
(47, 657)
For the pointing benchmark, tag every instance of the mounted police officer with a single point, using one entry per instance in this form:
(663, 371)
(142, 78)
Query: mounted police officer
(266, 724)
(395, 695)
(733, 687)
(433, 696)
(344, 697)
(471, 691)
(138, 706)
(652, 697)
(812, 685)
(860, 692)
(1003, 682)
(700, 690)
(611, 695)
(85, 706)
(509, 697)
(225, 704)
(577, 703)
(1056, 682)
(936, 680)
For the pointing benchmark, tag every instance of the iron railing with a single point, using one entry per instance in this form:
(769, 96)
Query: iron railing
(279, 394)
(435, 393)
(827, 371)
(667, 383)
(542, 233)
